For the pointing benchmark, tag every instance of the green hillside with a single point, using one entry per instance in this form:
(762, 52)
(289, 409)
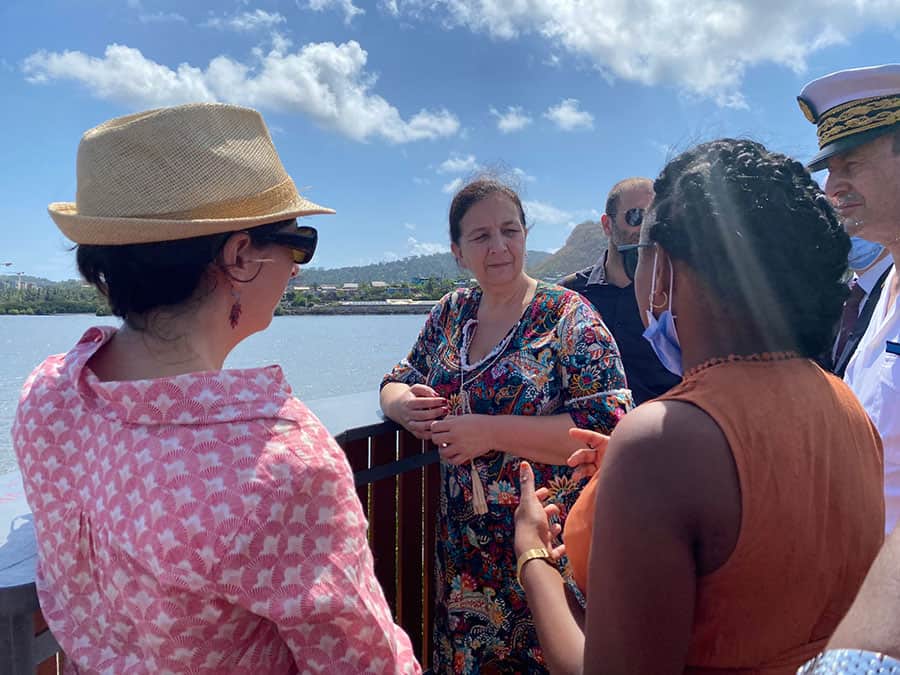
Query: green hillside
(41, 296)
(582, 248)
(437, 265)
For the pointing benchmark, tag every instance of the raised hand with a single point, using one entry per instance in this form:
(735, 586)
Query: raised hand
(587, 460)
(534, 528)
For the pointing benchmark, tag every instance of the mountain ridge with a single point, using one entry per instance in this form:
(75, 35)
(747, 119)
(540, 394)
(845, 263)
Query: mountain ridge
(581, 249)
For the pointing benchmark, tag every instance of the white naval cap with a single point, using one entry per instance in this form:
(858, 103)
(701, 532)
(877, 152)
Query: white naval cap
(851, 107)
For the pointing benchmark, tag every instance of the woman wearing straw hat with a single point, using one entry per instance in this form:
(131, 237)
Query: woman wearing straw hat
(499, 372)
(191, 518)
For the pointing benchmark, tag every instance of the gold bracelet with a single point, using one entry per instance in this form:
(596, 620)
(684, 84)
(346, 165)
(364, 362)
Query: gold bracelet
(532, 554)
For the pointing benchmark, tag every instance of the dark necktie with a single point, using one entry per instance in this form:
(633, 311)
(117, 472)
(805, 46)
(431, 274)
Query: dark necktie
(848, 318)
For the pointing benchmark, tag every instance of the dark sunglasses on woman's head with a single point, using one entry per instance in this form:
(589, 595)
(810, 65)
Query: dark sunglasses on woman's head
(302, 242)
(634, 217)
(629, 253)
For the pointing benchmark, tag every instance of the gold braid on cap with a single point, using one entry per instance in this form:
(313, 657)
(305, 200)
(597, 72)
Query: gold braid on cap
(858, 116)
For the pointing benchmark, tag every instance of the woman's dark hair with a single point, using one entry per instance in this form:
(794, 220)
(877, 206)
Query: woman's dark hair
(474, 192)
(758, 231)
(138, 278)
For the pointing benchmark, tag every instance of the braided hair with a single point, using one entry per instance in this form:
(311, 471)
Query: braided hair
(760, 234)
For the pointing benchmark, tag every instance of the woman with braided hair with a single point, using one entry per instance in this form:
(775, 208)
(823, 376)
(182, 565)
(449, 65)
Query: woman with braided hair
(734, 518)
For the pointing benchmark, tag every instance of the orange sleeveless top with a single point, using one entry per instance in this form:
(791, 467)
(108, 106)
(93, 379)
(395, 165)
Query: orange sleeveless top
(810, 467)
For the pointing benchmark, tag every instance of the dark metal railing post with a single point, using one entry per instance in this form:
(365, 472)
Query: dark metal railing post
(384, 517)
(413, 559)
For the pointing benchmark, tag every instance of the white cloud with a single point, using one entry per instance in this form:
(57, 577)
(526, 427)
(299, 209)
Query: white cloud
(281, 43)
(523, 176)
(425, 248)
(246, 22)
(418, 180)
(553, 61)
(458, 164)
(452, 186)
(325, 81)
(390, 6)
(667, 150)
(704, 48)
(155, 17)
(410, 226)
(346, 6)
(512, 120)
(162, 17)
(542, 213)
(568, 117)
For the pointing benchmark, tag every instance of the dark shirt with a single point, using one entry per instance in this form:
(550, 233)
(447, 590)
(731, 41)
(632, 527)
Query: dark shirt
(619, 310)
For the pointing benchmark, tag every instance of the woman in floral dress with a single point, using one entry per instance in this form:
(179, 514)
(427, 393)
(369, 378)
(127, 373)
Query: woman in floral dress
(499, 372)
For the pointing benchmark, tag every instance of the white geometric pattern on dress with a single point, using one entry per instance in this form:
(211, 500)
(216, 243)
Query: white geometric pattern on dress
(203, 523)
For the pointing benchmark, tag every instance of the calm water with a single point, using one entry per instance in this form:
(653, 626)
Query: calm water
(321, 355)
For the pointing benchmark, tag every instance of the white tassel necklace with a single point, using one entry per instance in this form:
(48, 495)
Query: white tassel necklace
(479, 501)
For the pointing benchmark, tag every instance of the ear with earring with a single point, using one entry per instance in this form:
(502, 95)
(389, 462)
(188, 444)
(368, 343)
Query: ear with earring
(655, 290)
(663, 303)
(234, 316)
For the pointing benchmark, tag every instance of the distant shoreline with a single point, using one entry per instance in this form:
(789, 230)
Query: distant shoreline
(331, 310)
(317, 310)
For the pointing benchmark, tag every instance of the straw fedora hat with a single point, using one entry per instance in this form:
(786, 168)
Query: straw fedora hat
(175, 173)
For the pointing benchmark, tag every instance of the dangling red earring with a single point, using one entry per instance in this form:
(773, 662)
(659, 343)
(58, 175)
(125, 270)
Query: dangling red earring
(234, 316)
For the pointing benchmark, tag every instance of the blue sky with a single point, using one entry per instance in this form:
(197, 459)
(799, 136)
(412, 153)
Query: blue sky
(379, 108)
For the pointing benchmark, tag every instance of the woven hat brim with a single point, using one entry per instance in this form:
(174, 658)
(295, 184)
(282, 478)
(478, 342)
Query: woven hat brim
(103, 231)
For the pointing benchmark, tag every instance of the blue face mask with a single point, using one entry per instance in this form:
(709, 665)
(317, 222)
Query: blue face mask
(660, 332)
(863, 253)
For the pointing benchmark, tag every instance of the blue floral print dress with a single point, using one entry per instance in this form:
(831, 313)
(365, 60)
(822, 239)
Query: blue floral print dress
(558, 358)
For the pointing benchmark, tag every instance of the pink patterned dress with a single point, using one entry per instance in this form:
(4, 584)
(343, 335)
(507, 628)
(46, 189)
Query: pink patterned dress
(203, 523)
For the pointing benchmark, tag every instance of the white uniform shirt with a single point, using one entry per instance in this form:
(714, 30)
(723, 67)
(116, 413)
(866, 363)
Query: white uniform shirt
(866, 281)
(870, 277)
(874, 376)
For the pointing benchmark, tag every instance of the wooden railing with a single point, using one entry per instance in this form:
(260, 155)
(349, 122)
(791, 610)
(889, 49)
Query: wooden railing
(397, 482)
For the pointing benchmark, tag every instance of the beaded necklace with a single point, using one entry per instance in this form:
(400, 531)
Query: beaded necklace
(758, 357)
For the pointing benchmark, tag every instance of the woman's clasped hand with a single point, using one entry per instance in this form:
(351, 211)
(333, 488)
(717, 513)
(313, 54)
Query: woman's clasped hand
(418, 408)
(462, 438)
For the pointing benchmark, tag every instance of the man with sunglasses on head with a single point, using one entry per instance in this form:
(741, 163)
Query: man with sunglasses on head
(608, 286)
